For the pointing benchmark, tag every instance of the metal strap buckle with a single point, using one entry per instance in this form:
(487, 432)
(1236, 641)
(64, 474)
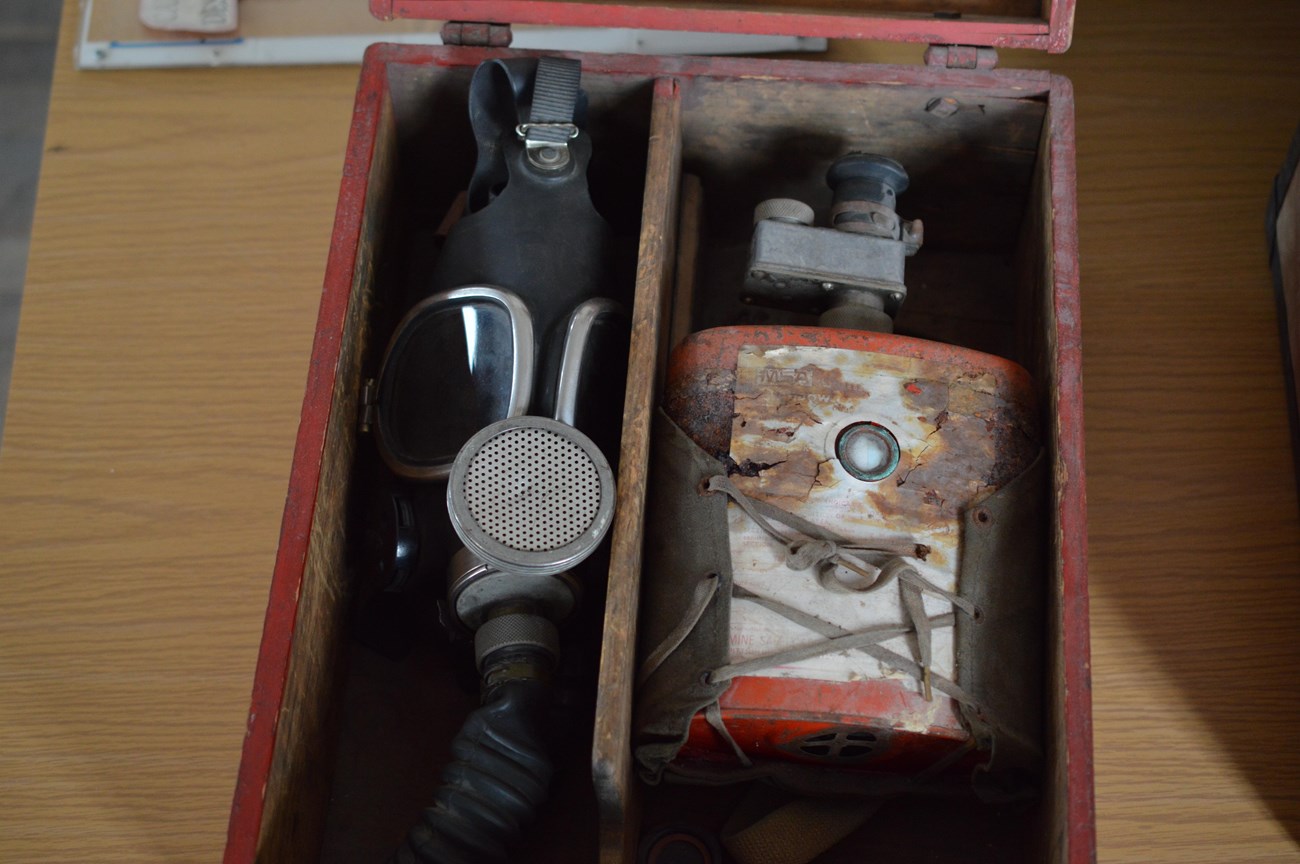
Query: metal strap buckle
(548, 133)
(547, 144)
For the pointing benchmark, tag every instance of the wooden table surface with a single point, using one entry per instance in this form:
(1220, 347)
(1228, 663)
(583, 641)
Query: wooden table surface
(180, 239)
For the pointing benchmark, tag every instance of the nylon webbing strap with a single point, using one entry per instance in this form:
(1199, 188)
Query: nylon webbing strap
(555, 98)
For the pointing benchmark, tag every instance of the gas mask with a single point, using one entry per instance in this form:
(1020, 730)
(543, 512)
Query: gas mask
(504, 384)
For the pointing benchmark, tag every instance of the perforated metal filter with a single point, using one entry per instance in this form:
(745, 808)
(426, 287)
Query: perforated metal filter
(532, 490)
(531, 495)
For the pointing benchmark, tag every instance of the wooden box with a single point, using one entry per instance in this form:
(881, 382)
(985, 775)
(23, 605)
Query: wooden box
(1284, 258)
(326, 772)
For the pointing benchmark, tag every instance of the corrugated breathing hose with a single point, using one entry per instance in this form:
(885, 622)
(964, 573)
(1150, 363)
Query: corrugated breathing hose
(498, 777)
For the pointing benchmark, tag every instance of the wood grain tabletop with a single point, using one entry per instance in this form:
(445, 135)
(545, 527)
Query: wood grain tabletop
(180, 238)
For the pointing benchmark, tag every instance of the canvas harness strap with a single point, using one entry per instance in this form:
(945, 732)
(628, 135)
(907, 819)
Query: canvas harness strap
(797, 831)
(809, 546)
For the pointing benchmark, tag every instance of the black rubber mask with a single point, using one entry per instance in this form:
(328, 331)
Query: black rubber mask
(490, 341)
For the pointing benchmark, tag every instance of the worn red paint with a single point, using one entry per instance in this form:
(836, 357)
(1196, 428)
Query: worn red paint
(300, 505)
(1051, 34)
(1071, 502)
(768, 717)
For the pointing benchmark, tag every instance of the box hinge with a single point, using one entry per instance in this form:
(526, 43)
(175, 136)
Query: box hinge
(368, 404)
(961, 56)
(479, 33)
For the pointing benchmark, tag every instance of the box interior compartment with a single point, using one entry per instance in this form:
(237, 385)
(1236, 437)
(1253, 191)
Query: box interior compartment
(969, 172)
(400, 711)
(983, 280)
(362, 737)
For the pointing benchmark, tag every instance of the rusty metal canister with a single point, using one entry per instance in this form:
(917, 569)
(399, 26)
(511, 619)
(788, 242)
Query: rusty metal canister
(869, 435)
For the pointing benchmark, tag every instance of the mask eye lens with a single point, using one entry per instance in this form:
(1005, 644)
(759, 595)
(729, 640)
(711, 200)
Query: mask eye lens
(449, 373)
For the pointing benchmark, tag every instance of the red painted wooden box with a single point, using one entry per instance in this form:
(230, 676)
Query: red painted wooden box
(1284, 258)
(342, 748)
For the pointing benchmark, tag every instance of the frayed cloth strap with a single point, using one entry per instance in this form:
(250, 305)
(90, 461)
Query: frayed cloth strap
(914, 609)
(881, 653)
(910, 585)
(853, 641)
(702, 597)
(902, 570)
(834, 632)
(812, 545)
(713, 716)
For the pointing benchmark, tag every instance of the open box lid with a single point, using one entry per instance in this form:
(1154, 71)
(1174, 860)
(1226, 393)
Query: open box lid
(1045, 25)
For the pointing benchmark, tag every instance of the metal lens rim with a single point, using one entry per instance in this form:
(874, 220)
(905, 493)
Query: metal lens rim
(521, 376)
(883, 434)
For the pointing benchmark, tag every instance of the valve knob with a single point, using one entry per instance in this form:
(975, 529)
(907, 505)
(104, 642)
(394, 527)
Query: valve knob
(867, 177)
(866, 189)
(784, 210)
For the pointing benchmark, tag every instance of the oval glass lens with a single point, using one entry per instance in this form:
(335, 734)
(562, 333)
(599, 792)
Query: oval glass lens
(449, 374)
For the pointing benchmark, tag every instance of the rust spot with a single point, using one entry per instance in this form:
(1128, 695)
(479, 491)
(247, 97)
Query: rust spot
(985, 417)
(787, 472)
(747, 468)
(703, 405)
(797, 411)
(929, 400)
(781, 433)
(826, 476)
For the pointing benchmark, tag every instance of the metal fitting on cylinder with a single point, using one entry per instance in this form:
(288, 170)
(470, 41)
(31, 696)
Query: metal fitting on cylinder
(518, 632)
(850, 273)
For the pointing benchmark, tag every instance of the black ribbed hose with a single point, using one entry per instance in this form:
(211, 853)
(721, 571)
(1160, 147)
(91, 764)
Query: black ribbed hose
(498, 776)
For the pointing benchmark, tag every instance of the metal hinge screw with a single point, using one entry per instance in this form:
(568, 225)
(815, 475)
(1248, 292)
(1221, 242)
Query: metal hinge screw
(369, 404)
